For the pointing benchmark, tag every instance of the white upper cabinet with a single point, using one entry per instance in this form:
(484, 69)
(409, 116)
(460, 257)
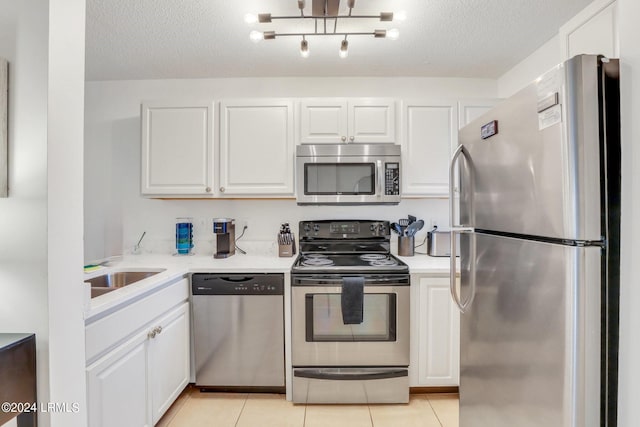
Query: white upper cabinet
(430, 130)
(592, 31)
(469, 110)
(347, 120)
(177, 148)
(256, 147)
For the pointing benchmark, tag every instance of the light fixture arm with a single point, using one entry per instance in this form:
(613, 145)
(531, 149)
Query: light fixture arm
(323, 10)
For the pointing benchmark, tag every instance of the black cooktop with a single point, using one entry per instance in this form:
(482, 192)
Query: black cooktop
(357, 263)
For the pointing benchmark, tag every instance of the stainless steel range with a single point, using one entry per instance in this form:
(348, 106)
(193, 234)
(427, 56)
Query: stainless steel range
(350, 315)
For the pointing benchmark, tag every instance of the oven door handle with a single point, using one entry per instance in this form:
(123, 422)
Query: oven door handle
(318, 280)
(350, 376)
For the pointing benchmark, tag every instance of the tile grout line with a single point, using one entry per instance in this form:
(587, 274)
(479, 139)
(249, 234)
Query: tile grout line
(246, 397)
(370, 416)
(304, 420)
(187, 396)
(434, 412)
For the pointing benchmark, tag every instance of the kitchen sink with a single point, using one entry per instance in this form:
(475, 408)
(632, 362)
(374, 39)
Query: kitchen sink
(101, 285)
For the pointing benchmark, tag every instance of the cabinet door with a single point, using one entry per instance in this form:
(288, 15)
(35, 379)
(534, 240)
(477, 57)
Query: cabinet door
(469, 110)
(592, 31)
(117, 387)
(323, 121)
(439, 334)
(177, 148)
(256, 147)
(372, 120)
(430, 130)
(169, 360)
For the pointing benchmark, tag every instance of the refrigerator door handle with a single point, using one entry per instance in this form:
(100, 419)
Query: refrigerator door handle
(456, 229)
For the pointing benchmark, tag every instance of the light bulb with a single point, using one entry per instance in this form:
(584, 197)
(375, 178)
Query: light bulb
(250, 18)
(393, 34)
(400, 15)
(256, 36)
(344, 49)
(304, 49)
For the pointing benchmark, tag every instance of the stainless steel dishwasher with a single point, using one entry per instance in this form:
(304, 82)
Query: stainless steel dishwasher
(238, 322)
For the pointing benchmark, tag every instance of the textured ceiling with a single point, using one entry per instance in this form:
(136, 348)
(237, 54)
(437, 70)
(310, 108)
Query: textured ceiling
(154, 39)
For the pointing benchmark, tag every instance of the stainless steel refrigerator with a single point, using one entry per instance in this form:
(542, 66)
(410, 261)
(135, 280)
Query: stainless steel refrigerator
(539, 213)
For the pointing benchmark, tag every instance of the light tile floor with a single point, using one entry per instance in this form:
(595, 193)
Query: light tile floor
(194, 409)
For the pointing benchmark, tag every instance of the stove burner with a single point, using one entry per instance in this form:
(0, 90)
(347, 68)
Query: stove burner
(372, 257)
(316, 260)
(382, 262)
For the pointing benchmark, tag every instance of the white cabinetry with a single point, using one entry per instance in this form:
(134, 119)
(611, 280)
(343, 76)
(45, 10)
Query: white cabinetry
(435, 334)
(430, 129)
(256, 147)
(341, 120)
(593, 30)
(177, 148)
(117, 386)
(135, 373)
(471, 109)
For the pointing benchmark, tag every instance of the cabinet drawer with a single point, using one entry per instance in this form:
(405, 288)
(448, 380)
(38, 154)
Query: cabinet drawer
(107, 332)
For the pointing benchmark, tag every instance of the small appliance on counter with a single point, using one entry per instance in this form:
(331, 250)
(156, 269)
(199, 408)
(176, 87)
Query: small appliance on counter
(286, 241)
(225, 231)
(439, 243)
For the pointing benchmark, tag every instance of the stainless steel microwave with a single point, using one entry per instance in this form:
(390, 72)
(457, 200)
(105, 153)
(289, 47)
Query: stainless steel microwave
(348, 174)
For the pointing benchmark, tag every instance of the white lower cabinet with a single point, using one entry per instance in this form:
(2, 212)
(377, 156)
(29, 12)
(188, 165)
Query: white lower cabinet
(435, 332)
(137, 380)
(168, 361)
(117, 386)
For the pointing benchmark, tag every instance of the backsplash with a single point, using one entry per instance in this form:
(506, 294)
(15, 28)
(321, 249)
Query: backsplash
(263, 218)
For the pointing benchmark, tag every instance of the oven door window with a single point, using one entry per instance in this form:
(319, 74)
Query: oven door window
(339, 178)
(324, 319)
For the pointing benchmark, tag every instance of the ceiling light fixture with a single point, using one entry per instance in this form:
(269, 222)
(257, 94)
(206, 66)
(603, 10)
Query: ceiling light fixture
(304, 48)
(322, 13)
(344, 49)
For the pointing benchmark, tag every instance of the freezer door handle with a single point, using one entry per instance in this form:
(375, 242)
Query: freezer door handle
(456, 229)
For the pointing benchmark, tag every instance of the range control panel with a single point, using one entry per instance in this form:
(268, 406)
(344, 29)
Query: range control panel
(391, 179)
(347, 229)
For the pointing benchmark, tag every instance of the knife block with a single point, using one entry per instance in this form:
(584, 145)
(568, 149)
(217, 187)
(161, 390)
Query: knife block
(286, 248)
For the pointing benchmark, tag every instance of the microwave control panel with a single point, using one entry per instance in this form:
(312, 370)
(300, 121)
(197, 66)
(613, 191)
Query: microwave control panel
(391, 179)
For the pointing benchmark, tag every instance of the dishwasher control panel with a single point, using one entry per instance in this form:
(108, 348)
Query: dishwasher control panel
(237, 284)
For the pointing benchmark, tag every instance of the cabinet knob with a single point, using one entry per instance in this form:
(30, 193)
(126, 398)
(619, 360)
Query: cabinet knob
(208, 189)
(152, 334)
(344, 138)
(158, 329)
(222, 189)
(351, 138)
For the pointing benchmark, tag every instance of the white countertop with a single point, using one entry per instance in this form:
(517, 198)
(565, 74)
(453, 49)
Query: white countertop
(175, 267)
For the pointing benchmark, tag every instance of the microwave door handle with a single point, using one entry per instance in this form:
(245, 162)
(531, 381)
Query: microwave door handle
(379, 178)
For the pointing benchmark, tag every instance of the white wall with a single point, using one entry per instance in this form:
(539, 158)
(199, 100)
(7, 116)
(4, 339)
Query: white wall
(23, 215)
(65, 140)
(527, 70)
(629, 376)
(116, 213)
(41, 220)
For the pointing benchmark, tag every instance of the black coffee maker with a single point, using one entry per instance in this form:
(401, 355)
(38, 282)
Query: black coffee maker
(225, 231)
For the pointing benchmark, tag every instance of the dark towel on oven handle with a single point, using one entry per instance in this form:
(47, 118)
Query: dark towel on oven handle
(352, 301)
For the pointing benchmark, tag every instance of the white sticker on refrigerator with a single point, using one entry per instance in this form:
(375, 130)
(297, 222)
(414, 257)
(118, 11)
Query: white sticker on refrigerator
(550, 117)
